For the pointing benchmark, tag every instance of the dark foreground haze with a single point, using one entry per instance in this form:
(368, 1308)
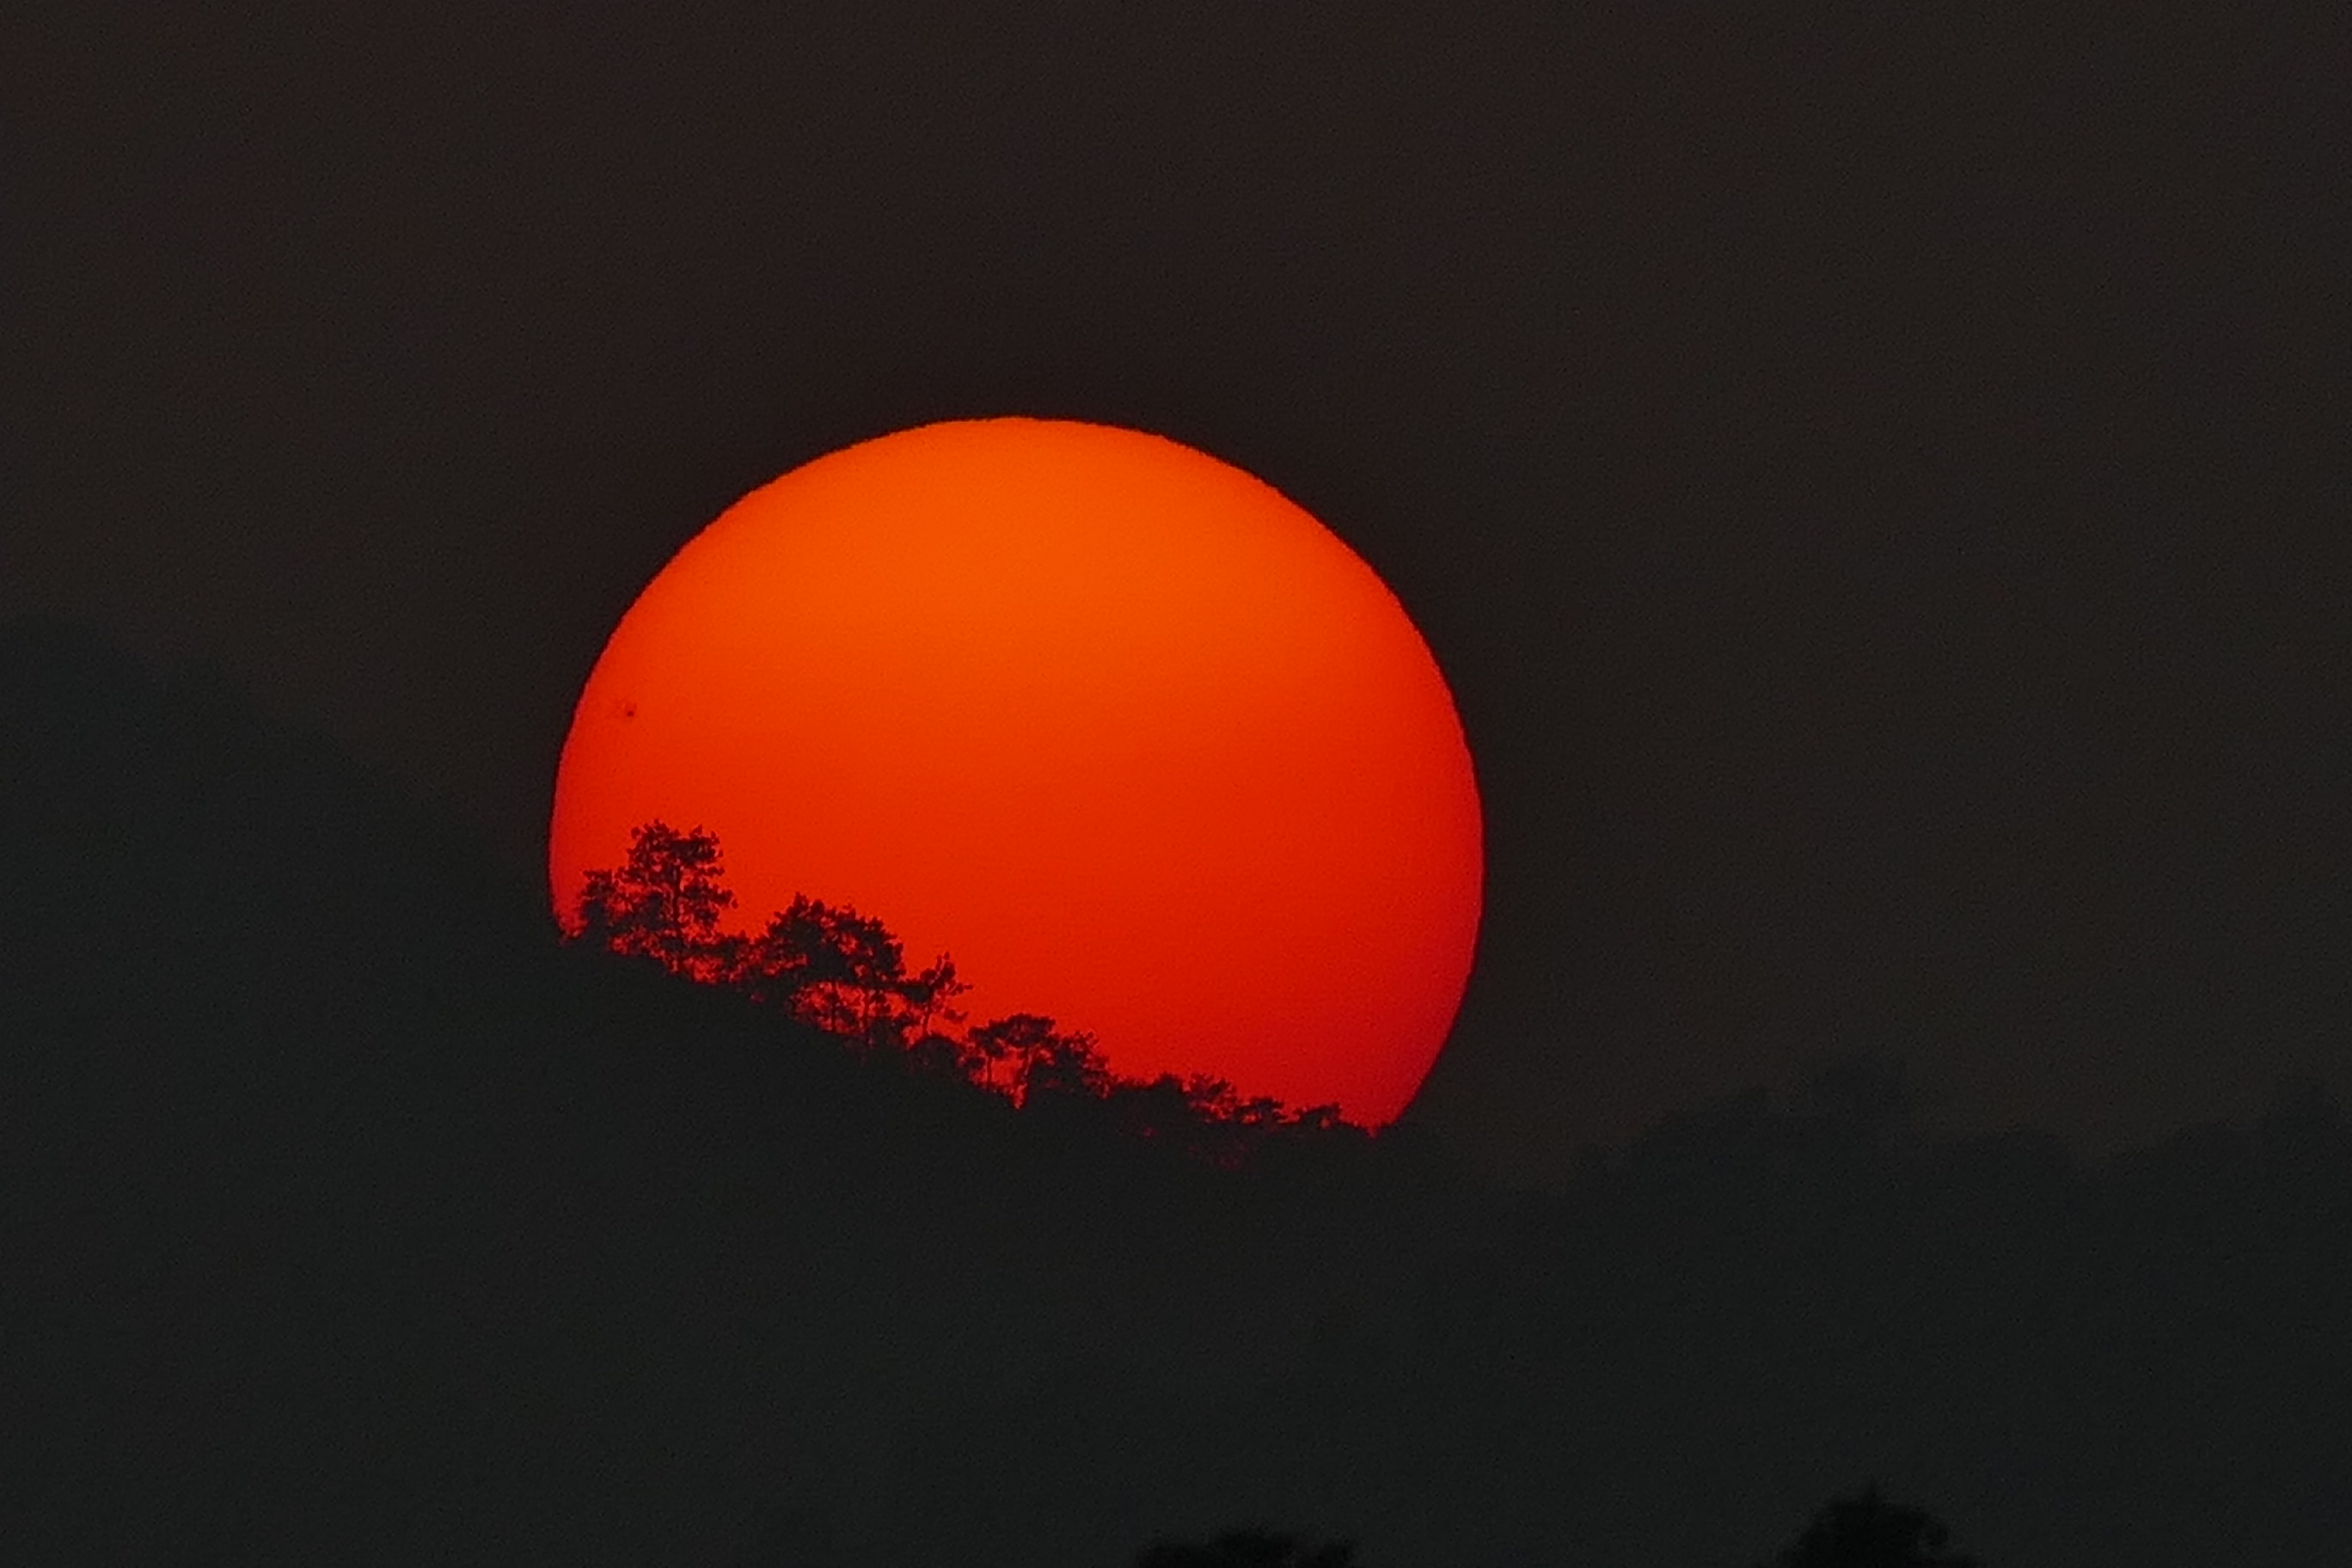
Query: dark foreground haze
(350, 1217)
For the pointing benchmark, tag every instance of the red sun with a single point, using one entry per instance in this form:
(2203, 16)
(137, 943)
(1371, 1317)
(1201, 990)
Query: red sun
(1132, 736)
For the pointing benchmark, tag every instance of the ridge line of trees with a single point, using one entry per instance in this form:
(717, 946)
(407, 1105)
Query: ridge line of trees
(1863, 1530)
(845, 973)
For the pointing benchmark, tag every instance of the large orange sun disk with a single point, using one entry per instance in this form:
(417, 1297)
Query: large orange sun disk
(1140, 742)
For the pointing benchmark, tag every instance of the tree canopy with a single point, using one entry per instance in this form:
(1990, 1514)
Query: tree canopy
(664, 901)
(1866, 1531)
(844, 973)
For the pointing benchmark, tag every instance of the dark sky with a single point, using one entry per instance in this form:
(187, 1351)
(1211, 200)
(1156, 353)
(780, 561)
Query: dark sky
(1875, 480)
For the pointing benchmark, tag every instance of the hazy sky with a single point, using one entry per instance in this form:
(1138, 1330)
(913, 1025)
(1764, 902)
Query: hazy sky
(1876, 482)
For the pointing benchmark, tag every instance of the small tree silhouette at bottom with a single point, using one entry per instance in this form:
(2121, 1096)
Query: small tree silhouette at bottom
(1866, 1531)
(663, 902)
(1247, 1549)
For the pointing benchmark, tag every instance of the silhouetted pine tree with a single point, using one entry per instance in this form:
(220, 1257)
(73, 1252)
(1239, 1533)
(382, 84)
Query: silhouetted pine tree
(1866, 1531)
(664, 901)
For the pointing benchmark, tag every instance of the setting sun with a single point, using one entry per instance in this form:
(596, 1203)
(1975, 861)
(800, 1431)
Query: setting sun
(1140, 742)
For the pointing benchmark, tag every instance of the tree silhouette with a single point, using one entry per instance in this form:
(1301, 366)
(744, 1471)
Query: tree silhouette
(1069, 1066)
(1044, 1058)
(1214, 1099)
(1247, 1549)
(926, 1002)
(663, 902)
(1157, 1110)
(844, 971)
(1866, 1531)
(940, 1055)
